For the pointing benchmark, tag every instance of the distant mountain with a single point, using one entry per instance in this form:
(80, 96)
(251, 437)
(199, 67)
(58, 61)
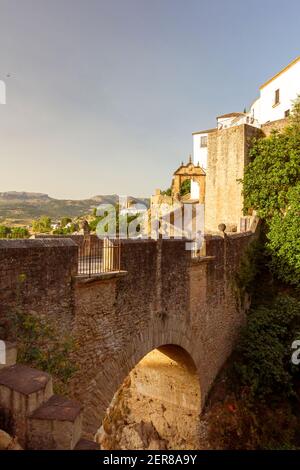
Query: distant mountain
(23, 207)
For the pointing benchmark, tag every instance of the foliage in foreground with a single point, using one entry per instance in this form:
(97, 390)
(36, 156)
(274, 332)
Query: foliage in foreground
(240, 424)
(41, 346)
(255, 400)
(271, 186)
(264, 351)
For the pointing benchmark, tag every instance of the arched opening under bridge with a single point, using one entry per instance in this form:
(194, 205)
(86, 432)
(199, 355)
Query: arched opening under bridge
(157, 406)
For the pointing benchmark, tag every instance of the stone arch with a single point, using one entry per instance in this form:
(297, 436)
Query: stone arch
(113, 371)
(157, 406)
(191, 172)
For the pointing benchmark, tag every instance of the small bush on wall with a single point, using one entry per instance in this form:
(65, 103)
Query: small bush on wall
(40, 345)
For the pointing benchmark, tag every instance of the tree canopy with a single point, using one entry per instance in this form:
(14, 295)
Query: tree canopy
(271, 186)
(13, 232)
(42, 225)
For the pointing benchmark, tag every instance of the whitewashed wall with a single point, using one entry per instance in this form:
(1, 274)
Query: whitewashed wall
(199, 153)
(288, 83)
(195, 190)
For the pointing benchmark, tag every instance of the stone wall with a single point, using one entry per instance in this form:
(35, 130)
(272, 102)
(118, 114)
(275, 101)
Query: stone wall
(228, 153)
(36, 276)
(162, 297)
(33, 415)
(78, 238)
(274, 126)
(165, 298)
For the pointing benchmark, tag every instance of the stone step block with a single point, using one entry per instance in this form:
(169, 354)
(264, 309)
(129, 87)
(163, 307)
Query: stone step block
(22, 390)
(86, 444)
(55, 425)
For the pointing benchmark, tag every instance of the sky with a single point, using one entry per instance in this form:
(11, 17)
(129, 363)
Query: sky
(102, 96)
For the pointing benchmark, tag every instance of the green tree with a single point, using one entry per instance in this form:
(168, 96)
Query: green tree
(185, 188)
(42, 225)
(271, 186)
(4, 231)
(263, 355)
(65, 221)
(120, 219)
(167, 192)
(41, 345)
(19, 232)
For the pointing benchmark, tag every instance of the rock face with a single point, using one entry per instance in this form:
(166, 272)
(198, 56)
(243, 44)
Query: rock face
(156, 408)
(121, 428)
(7, 442)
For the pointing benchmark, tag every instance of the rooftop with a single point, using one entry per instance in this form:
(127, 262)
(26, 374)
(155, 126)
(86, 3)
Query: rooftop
(281, 72)
(230, 115)
(207, 131)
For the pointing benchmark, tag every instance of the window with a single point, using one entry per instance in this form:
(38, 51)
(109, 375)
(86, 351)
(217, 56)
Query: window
(286, 113)
(277, 97)
(203, 141)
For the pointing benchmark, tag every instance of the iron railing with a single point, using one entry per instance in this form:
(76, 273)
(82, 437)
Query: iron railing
(97, 256)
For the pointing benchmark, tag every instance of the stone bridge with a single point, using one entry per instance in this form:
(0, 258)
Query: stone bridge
(161, 298)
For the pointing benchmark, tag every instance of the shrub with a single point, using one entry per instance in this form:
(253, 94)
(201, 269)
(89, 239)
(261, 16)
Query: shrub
(42, 225)
(41, 346)
(185, 188)
(264, 350)
(239, 424)
(19, 232)
(271, 187)
(4, 231)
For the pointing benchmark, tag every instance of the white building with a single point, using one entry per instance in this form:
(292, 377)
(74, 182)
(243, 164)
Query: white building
(275, 102)
(200, 141)
(277, 94)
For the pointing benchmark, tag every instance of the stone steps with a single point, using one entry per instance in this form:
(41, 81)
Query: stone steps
(56, 424)
(41, 420)
(86, 444)
(22, 390)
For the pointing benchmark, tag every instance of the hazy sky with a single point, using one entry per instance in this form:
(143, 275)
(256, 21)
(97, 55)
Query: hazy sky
(103, 95)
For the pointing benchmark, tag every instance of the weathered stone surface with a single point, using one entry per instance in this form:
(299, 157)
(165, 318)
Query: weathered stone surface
(228, 154)
(36, 277)
(274, 126)
(22, 390)
(58, 408)
(85, 444)
(164, 299)
(56, 424)
(7, 442)
(158, 405)
(24, 379)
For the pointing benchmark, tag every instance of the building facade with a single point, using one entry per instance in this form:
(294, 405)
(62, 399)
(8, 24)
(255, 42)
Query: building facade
(223, 152)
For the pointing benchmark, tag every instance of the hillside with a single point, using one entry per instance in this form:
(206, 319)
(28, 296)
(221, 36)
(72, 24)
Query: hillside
(23, 207)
